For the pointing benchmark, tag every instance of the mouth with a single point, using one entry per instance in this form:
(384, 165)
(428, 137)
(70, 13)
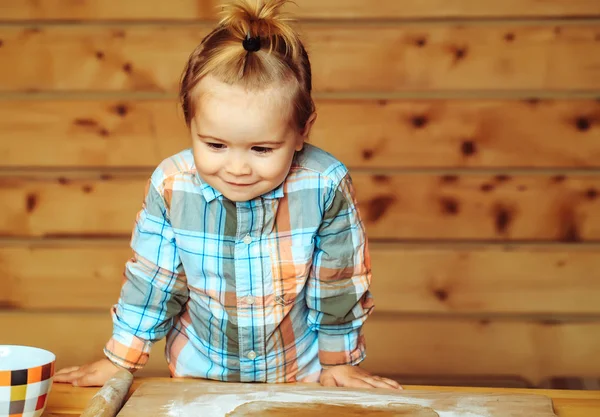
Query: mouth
(237, 184)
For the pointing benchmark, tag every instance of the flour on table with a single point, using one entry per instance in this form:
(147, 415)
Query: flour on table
(218, 405)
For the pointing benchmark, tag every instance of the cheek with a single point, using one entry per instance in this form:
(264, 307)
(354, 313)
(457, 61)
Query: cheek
(275, 168)
(206, 162)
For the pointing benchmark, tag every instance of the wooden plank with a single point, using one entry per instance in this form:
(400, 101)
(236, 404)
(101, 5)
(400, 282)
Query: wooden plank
(74, 337)
(391, 133)
(534, 350)
(186, 10)
(400, 345)
(560, 279)
(534, 207)
(346, 58)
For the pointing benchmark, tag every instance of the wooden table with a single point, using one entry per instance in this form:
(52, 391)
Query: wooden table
(68, 401)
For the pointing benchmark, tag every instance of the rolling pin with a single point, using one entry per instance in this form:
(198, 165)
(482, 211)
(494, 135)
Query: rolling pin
(107, 402)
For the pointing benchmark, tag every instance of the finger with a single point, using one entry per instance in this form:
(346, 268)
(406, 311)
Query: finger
(66, 377)
(71, 376)
(389, 382)
(357, 383)
(327, 380)
(66, 370)
(88, 380)
(381, 383)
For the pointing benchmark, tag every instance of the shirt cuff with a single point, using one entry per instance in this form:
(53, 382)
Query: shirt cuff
(128, 351)
(347, 349)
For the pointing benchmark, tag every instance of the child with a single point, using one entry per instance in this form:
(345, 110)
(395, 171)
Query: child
(250, 256)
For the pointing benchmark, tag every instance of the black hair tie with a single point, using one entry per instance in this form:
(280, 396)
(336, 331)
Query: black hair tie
(251, 44)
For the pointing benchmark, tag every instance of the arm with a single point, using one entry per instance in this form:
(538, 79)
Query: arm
(153, 292)
(338, 293)
(337, 290)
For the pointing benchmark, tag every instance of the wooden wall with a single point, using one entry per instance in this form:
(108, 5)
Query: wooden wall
(472, 130)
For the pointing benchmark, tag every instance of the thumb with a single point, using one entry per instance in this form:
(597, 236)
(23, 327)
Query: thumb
(327, 380)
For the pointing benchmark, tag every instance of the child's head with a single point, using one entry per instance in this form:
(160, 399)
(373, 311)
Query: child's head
(246, 96)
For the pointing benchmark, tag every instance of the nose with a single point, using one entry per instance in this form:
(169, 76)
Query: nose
(238, 166)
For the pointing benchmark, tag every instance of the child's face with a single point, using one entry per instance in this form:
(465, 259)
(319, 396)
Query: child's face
(243, 141)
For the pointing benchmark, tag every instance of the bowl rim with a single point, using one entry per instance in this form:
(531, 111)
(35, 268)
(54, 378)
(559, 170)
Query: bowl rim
(31, 348)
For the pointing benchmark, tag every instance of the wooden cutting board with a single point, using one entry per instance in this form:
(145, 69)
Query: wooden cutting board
(197, 398)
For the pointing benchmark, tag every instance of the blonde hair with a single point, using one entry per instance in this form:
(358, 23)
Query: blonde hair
(281, 58)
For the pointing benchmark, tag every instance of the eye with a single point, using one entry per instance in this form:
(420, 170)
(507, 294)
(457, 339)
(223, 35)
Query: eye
(215, 145)
(262, 149)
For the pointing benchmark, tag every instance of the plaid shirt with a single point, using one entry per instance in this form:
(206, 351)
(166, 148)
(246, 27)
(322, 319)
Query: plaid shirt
(269, 290)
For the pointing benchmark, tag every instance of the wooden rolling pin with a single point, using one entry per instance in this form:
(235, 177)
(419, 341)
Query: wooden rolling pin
(107, 402)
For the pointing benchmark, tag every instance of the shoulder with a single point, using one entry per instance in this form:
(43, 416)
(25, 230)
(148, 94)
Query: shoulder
(313, 161)
(175, 167)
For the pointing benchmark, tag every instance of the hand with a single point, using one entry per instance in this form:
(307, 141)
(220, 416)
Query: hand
(354, 377)
(94, 374)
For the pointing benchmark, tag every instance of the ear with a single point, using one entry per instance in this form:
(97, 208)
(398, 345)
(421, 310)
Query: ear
(306, 132)
(309, 124)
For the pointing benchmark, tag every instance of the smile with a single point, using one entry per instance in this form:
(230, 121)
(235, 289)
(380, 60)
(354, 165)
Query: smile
(235, 184)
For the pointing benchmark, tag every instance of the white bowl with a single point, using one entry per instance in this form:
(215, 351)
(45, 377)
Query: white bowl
(26, 375)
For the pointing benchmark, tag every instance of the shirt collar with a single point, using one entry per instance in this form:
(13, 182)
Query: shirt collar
(211, 193)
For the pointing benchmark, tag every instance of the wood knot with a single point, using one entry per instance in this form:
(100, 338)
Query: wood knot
(449, 206)
(85, 122)
(100, 55)
(121, 110)
(468, 148)
(31, 202)
(591, 194)
(460, 53)
(441, 294)
(377, 207)
(534, 101)
(449, 179)
(486, 188)
(503, 217)
(381, 179)
(509, 37)
(367, 154)
(127, 68)
(583, 124)
(419, 121)
(421, 42)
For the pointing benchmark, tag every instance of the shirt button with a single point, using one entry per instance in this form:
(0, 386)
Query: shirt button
(247, 239)
(250, 300)
(251, 355)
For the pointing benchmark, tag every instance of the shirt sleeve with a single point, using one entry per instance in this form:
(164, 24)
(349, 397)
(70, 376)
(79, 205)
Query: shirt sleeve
(154, 288)
(337, 290)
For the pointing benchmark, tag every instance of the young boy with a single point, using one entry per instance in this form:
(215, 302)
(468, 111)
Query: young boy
(250, 255)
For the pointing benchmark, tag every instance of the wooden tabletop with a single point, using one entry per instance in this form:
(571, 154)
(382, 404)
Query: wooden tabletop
(68, 401)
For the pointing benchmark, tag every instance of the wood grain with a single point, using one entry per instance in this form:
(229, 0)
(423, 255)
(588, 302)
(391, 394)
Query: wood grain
(67, 401)
(410, 206)
(362, 133)
(534, 350)
(307, 9)
(185, 398)
(345, 58)
(396, 345)
(545, 280)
